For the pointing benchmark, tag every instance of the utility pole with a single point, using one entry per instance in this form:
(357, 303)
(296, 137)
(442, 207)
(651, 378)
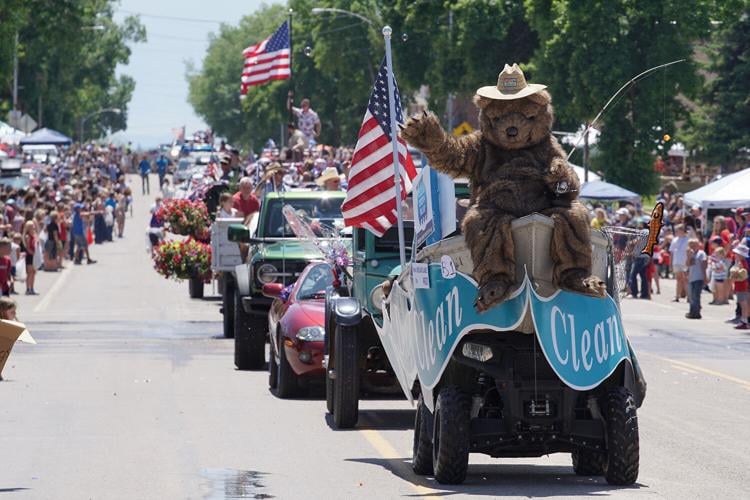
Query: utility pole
(586, 152)
(15, 74)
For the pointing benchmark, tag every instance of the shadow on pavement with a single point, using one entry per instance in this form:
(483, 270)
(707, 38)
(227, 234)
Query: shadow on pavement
(12, 490)
(379, 420)
(503, 479)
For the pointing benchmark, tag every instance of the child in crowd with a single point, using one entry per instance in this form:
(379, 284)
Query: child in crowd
(739, 275)
(29, 239)
(719, 267)
(226, 210)
(15, 254)
(7, 309)
(696, 277)
(5, 266)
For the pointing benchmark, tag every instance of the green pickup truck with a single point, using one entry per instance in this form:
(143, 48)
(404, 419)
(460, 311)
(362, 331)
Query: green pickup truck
(275, 255)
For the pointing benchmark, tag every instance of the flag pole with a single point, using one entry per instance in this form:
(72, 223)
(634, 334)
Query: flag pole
(387, 32)
(291, 68)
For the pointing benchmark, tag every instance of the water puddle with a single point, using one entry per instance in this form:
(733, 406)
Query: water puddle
(231, 483)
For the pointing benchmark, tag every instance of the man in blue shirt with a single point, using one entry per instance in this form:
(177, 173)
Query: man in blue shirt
(144, 167)
(78, 230)
(161, 168)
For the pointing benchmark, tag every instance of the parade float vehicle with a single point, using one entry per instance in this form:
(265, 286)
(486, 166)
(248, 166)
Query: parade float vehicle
(296, 333)
(544, 371)
(355, 358)
(274, 255)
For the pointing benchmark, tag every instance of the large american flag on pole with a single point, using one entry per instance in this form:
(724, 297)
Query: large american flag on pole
(371, 193)
(267, 60)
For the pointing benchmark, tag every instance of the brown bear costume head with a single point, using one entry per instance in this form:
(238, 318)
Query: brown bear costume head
(514, 115)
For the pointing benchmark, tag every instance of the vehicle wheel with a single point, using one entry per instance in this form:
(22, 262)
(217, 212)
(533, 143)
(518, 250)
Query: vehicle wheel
(346, 385)
(273, 371)
(623, 448)
(589, 463)
(227, 298)
(249, 339)
(287, 379)
(195, 288)
(329, 393)
(450, 436)
(421, 458)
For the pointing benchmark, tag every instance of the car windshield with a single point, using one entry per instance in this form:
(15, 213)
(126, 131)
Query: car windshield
(326, 210)
(184, 165)
(314, 285)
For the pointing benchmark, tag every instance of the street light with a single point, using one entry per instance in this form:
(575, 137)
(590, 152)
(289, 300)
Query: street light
(323, 10)
(85, 118)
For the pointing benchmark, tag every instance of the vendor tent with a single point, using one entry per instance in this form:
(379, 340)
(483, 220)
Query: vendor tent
(10, 135)
(46, 136)
(581, 173)
(728, 192)
(604, 191)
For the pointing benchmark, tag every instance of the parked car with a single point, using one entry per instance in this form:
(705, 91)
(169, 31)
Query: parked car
(184, 171)
(275, 256)
(295, 326)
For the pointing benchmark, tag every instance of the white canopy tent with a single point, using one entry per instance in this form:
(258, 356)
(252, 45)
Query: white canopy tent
(580, 173)
(10, 135)
(728, 192)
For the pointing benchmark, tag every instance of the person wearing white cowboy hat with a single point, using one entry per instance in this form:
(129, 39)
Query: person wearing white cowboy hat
(329, 180)
(272, 180)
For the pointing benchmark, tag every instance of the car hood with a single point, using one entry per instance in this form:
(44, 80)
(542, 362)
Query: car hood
(304, 313)
(288, 249)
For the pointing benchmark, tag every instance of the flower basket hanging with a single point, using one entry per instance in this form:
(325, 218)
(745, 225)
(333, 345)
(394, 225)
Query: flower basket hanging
(182, 260)
(186, 218)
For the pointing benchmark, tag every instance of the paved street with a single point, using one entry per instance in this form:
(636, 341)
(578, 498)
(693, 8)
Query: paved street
(132, 393)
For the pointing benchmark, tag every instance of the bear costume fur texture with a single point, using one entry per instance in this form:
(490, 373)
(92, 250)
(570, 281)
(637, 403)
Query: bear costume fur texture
(515, 167)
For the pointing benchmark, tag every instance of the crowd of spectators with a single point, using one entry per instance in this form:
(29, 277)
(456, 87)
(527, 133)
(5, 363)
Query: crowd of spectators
(63, 204)
(702, 252)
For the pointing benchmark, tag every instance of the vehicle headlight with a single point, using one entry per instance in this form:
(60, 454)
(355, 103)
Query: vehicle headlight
(311, 333)
(377, 296)
(266, 273)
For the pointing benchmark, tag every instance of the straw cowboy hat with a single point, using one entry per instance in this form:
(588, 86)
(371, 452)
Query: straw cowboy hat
(328, 174)
(511, 84)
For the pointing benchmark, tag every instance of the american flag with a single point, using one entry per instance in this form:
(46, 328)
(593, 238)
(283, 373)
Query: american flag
(267, 60)
(371, 194)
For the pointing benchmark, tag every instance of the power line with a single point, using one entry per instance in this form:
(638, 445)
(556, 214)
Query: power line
(172, 18)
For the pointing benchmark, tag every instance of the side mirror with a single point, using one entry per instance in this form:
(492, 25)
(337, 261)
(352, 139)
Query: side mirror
(238, 233)
(272, 290)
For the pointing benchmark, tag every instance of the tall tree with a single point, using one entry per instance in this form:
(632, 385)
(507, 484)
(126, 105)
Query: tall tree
(589, 48)
(68, 51)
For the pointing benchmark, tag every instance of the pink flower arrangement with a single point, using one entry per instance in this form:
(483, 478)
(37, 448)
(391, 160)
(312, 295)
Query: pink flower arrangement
(182, 259)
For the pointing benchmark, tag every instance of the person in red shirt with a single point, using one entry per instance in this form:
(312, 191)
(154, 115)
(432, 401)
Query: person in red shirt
(741, 254)
(5, 266)
(244, 201)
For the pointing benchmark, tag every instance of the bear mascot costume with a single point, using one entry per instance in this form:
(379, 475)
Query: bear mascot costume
(515, 167)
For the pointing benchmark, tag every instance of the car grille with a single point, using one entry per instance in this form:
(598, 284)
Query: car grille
(288, 271)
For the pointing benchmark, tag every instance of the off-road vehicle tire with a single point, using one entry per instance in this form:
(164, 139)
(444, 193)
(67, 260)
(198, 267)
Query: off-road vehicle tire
(195, 288)
(450, 436)
(249, 339)
(589, 463)
(421, 458)
(623, 448)
(346, 385)
(227, 304)
(287, 379)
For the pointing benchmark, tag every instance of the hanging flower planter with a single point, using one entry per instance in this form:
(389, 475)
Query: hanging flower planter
(185, 260)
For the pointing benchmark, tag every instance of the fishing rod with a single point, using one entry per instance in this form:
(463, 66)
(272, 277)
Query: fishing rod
(630, 82)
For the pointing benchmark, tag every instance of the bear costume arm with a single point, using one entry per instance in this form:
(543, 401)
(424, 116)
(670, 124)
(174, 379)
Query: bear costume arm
(561, 179)
(455, 156)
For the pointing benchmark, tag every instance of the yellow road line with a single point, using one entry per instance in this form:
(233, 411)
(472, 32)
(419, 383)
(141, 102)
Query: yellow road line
(387, 451)
(707, 371)
(684, 369)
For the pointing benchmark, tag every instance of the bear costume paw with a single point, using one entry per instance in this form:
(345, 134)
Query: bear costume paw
(424, 132)
(591, 285)
(491, 293)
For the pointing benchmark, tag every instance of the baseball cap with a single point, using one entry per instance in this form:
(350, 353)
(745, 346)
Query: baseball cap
(738, 211)
(623, 211)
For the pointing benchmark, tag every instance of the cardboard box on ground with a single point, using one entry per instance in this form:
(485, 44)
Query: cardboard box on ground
(10, 332)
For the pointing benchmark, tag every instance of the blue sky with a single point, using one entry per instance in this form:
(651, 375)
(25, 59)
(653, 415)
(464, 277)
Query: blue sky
(158, 66)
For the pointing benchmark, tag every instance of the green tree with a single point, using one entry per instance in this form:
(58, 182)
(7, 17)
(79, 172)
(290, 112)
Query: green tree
(721, 123)
(68, 51)
(588, 49)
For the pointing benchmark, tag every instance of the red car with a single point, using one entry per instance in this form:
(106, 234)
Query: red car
(295, 327)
